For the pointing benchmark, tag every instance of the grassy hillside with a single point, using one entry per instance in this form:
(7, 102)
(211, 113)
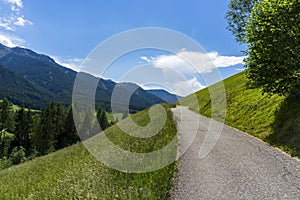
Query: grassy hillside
(111, 117)
(274, 119)
(73, 173)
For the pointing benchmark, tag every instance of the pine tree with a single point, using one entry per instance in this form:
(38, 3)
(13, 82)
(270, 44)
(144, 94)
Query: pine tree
(102, 118)
(6, 116)
(6, 124)
(45, 137)
(88, 128)
(58, 120)
(22, 131)
(69, 135)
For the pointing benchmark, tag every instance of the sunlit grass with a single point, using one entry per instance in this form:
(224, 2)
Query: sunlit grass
(266, 117)
(73, 173)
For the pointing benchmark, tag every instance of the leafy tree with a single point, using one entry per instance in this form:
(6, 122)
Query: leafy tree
(273, 37)
(102, 118)
(238, 17)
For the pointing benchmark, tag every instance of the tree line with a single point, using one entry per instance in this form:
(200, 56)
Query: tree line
(25, 135)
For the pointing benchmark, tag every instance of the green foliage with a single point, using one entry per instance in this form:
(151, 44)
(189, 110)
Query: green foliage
(87, 129)
(274, 119)
(50, 126)
(5, 163)
(23, 128)
(237, 17)
(51, 130)
(69, 134)
(5, 143)
(102, 118)
(6, 116)
(73, 173)
(273, 36)
(17, 155)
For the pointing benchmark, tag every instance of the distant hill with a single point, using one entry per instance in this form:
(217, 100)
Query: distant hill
(21, 91)
(274, 119)
(55, 82)
(166, 96)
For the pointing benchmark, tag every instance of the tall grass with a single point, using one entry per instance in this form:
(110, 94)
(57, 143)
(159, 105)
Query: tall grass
(73, 173)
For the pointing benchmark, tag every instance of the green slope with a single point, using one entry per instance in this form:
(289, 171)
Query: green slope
(274, 119)
(20, 90)
(73, 173)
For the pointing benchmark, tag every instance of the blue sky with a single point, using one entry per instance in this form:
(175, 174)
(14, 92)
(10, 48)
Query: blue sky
(69, 30)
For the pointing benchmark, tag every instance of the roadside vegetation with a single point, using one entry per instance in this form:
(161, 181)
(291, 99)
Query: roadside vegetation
(73, 173)
(272, 118)
(26, 134)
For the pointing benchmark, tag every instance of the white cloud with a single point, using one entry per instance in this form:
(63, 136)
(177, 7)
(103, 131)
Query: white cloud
(184, 88)
(6, 23)
(226, 61)
(21, 21)
(11, 16)
(10, 41)
(145, 58)
(194, 62)
(179, 87)
(18, 3)
(182, 69)
(72, 63)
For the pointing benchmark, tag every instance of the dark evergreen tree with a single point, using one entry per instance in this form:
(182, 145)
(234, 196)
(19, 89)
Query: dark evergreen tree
(6, 116)
(45, 137)
(22, 131)
(58, 120)
(5, 143)
(102, 118)
(88, 126)
(6, 124)
(69, 135)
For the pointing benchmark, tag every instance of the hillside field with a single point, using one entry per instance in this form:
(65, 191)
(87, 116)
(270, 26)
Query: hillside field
(274, 119)
(73, 173)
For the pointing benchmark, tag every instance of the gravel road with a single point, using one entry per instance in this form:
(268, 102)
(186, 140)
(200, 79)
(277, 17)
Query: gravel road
(238, 167)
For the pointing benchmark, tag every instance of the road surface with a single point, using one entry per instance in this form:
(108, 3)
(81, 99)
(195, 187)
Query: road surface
(238, 167)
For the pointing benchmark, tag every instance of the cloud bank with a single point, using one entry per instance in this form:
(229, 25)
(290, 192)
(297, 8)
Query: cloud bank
(189, 65)
(191, 62)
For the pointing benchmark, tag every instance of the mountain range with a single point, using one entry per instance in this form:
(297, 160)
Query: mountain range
(34, 80)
